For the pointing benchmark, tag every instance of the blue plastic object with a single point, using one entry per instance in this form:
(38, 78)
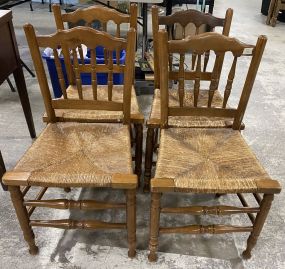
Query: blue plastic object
(102, 78)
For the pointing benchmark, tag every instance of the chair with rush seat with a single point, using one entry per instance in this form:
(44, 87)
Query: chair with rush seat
(208, 160)
(73, 154)
(105, 15)
(182, 18)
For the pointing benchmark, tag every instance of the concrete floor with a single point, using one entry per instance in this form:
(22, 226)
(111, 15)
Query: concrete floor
(265, 123)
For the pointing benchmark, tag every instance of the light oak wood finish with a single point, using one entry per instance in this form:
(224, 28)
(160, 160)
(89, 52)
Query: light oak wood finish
(74, 154)
(209, 160)
(219, 44)
(104, 15)
(184, 18)
(154, 226)
(22, 214)
(71, 204)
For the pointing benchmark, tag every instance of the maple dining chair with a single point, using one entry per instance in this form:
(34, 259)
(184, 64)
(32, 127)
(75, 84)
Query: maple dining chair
(105, 15)
(76, 154)
(182, 18)
(209, 160)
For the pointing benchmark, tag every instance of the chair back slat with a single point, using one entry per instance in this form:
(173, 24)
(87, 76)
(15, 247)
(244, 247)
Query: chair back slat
(110, 74)
(80, 51)
(197, 80)
(219, 45)
(59, 73)
(94, 74)
(181, 78)
(77, 73)
(104, 28)
(206, 60)
(214, 80)
(194, 59)
(230, 80)
(74, 97)
(118, 34)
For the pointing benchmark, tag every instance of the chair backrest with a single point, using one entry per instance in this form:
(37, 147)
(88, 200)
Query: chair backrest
(97, 13)
(184, 18)
(72, 40)
(219, 45)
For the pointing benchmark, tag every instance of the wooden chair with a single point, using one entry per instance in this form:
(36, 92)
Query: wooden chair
(209, 160)
(273, 12)
(72, 154)
(105, 15)
(183, 18)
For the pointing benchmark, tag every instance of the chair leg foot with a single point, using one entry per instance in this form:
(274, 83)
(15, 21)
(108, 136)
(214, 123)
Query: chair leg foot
(246, 255)
(132, 253)
(148, 158)
(34, 250)
(152, 257)
(23, 217)
(258, 224)
(154, 226)
(131, 222)
(273, 22)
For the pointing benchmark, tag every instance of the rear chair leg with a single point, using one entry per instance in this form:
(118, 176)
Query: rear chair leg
(148, 157)
(131, 222)
(154, 226)
(258, 224)
(22, 214)
(138, 151)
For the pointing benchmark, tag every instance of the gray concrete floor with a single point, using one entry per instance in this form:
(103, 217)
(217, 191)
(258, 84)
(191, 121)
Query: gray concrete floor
(265, 122)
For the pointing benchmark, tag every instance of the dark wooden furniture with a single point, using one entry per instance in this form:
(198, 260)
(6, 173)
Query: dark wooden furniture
(11, 63)
(209, 160)
(77, 154)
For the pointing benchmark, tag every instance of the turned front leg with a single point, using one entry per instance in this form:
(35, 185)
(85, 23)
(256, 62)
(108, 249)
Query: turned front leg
(131, 222)
(258, 224)
(148, 157)
(154, 226)
(23, 217)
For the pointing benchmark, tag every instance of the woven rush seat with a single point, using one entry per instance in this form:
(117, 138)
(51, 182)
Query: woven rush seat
(77, 154)
(188, 121)
(208, 161)
(98, 115)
